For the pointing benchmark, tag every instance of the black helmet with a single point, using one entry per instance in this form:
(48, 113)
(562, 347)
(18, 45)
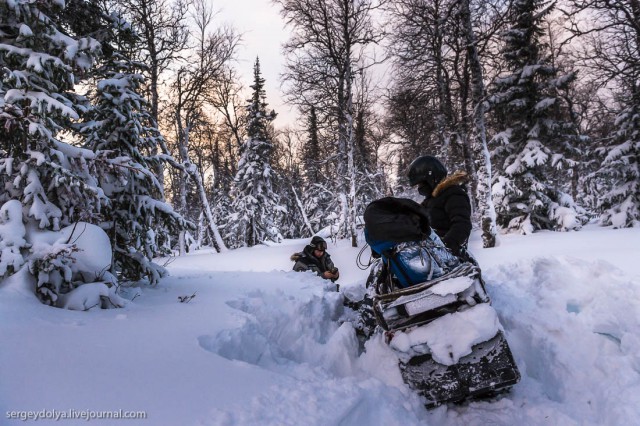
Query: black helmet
(318, 242)
(426, 169)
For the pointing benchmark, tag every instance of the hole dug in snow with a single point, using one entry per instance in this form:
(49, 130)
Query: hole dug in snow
(281, 331)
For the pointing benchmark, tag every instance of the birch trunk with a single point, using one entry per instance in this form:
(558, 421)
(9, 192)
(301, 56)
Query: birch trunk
(304, 214)
(485, 202)
(343, 167)
(201, 230)
(182, 185)
(218, 243)
(187, 168)
(351, 200)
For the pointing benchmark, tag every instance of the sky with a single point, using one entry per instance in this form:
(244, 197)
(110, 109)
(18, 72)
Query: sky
(263, 33)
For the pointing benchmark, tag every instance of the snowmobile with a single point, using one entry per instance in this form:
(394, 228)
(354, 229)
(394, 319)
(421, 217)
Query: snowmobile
(433, 308)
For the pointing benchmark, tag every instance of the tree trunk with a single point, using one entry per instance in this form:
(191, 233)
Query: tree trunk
(304, 214)
(485, 203)
(445, 112)
(182, 184)
(351, 200)
(188, 168)
(218, 243)
(343, 166)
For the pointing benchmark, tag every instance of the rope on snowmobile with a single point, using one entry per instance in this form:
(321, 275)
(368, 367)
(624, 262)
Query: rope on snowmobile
(359, 262)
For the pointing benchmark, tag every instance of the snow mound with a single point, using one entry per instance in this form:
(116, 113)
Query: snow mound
(94, 249)
(91, 295)
(325, 376)
(573, 327)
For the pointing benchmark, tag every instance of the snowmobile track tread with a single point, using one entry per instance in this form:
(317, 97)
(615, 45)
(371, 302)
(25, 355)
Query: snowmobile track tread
(488, 370)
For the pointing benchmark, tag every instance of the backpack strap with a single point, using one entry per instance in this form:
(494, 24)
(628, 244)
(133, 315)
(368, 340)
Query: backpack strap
(393, 258)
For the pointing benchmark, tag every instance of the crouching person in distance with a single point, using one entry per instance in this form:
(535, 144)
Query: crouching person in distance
(315, 258)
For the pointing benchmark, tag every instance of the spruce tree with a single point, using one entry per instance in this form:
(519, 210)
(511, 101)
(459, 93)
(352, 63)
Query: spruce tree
(255, 204)
(610, 48)
(310, 153)
(51, 179)
(370, 182)
(121, 129)
(317, 196)
(293, 224)
(619, 195)
(536, 134)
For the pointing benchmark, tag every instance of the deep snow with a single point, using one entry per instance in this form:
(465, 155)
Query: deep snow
(259, 344)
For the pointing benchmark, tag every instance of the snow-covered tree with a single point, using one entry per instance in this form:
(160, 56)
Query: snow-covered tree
(120, 127)
(163, 37)
(292, 219)
(483, 168)
(536, 134)
(423, 77)
(316, 195)
(328, 50)
(441, 53)
(12, 238)
(52, 180)
(367, 137)
(620, 170)
(255, 204)
(192, 89)
(609, 50)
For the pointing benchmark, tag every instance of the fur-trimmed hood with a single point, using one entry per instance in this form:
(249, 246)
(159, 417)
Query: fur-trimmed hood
(457, 178)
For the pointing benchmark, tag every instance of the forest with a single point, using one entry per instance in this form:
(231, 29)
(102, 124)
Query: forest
(130, 116)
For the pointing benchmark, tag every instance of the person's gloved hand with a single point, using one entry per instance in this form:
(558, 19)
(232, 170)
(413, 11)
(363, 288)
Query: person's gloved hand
(451, 246)
(331, 275)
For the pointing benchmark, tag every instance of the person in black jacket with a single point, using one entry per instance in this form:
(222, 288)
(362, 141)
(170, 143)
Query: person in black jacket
(446, 201)
(315, 258)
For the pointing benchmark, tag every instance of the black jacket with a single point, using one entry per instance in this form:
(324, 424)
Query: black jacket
(306, 261)
(450, 211)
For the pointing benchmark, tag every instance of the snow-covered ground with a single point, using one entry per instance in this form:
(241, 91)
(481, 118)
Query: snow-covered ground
(261, 345)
